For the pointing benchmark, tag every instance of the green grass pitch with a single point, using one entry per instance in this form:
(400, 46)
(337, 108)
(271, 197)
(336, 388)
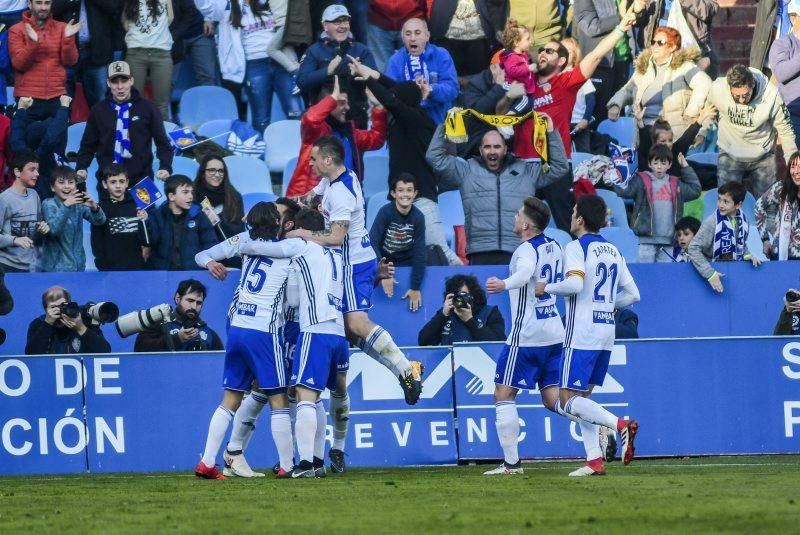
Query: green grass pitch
(719, 494)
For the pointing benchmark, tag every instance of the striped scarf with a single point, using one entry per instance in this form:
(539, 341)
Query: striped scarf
(416, 68)
(729, 240)
(122, 141)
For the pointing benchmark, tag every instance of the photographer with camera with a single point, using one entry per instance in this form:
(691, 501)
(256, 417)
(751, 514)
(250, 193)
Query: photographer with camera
(68, 328)
(179, 330)
(464, 317)
(789, 320)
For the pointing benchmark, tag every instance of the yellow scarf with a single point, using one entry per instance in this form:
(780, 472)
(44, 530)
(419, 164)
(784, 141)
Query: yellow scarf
(456, 131)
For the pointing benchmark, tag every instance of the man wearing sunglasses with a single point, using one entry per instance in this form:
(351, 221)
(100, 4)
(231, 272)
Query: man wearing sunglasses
(555, 94)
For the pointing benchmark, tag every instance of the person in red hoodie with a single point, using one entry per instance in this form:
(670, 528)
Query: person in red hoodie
(41, 48)
(325, 118)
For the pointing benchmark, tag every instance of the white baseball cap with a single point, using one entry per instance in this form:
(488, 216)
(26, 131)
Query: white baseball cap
(334, 12)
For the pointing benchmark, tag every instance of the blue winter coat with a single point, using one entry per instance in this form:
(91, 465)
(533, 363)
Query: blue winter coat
(63, 245)
(441, 75)
(198, 235)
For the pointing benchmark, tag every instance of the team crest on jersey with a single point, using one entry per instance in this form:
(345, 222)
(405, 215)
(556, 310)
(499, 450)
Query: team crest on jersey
(545, 312)
(335, 302)
(233, 240)
(246, 309)
(600, 316)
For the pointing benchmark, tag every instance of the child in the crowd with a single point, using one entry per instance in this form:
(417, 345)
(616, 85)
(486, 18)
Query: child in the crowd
(21, 224)
(117, 244)
(723, 235)
(658, 202)
(64, 214)
(516, 39)
(398, 234)
(685, 229)
(178, 229)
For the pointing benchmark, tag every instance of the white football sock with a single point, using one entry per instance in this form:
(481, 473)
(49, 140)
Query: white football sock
(319, 437)
(244, 421)
(305, 429)
(216, 433)
(591, 411)
(507, 423)
(282, 436)
(591, 440)
(560, 410)
(340, 414)
(380, 342)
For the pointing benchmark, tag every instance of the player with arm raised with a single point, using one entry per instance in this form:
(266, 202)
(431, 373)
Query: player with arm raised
(321, 353)
(343, 208)
(595, 270)
(253, 350)
(532, 350)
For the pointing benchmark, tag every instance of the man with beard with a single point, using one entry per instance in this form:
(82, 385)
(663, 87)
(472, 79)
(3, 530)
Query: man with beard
(187, 332)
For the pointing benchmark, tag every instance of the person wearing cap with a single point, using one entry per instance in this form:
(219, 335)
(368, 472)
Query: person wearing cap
(41, 48)
(430, 66)
(122, 129)
(328, 57)
(784, 60)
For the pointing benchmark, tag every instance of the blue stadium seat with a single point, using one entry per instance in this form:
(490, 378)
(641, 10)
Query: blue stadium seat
(282, 140)
(709, 158)
(452, 213)
(169, 126)
(251, 199)
(248, 175)
(617, 206)
(563, 238)
(288, 171)
(623, 130)
(374, 204)
(181, 165)
(215, 127)
(205, 103)
(626, 241)
(376, 173)
(580, 157)
(74, 135)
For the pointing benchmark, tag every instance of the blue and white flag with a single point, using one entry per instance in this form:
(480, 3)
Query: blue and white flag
(182, 138)
(625, 160)
(145, 193)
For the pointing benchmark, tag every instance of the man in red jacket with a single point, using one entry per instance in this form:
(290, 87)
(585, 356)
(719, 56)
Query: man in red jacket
(41, 48)
(325, 118)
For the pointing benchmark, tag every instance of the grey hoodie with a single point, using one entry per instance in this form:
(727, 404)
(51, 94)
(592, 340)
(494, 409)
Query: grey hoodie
(747, 132)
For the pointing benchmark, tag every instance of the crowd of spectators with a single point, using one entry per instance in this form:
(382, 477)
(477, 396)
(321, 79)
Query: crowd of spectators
(375, 73)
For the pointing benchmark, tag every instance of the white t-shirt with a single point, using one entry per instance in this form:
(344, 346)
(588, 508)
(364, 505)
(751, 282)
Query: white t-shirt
(590, 312)
(257, 33)
(144, 32)
(535, 321)
(343, 200)
(580, 101)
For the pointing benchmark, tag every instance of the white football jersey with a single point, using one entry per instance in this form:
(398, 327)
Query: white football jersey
(259, 295)
(343, 200)
(590, 312)
(535, 321)
(317, 273)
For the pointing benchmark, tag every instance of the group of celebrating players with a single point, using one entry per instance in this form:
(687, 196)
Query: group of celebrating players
(304, 292)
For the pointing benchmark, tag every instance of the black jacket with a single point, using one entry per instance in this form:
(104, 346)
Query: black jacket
(46, 339)
(146, 126)
(105, 26)
(187, 24)
(117, 244)
(409, 133)
(52, 141)
(491, 330)
(481, 94)
(165, 339)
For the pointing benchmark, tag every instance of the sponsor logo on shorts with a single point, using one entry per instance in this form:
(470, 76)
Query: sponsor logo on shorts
(545, 312)
(246, 309)
(603, 317)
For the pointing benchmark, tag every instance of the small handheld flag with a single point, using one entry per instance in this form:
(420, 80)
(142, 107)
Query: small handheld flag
(145, 193)
(182, 138)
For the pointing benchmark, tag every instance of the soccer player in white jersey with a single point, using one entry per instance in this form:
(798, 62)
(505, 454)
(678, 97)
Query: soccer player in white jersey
(532, 350)
(321, 353)
(597, 282)
(343, 208)
(253, 350)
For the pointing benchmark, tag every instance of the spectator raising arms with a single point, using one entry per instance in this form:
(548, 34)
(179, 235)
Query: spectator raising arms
(778, 215)
(149, 47)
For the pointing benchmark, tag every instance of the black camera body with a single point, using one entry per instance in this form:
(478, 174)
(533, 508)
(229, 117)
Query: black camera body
(463, 300)
(104, 312)
(193, 323)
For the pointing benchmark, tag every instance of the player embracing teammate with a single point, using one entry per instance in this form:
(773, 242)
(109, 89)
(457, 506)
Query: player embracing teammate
(595, 281)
